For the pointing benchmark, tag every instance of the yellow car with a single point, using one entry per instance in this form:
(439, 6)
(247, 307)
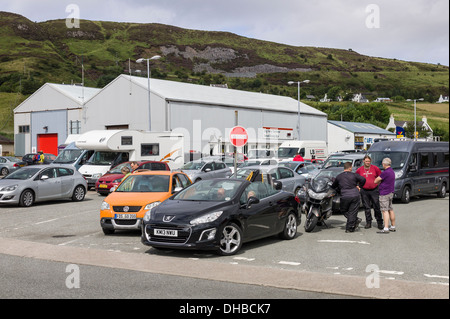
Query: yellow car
(124, 208)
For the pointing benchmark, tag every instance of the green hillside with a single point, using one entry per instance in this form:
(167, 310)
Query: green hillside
(32, 54)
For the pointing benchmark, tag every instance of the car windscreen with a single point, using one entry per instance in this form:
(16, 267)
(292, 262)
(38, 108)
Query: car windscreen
(13, 159)
(103, 158)
(68, 156)
(398, 159)
(193, 165)
(289, 165)
(210, 190)
(287, 152)
(23, 173)
(145, 183)
(336, 162)
(118, 169)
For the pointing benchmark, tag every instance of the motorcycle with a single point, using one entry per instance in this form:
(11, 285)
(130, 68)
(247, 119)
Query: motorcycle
(317, 200)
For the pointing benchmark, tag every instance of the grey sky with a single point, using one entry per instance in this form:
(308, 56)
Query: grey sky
(410, 30)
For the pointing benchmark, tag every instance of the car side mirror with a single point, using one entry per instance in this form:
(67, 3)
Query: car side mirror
(44, 177)
(252, 200)
(277, 185)
(177, 189)
(207, 170)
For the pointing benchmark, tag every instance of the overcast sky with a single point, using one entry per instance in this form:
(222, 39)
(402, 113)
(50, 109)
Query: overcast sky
(410, 30)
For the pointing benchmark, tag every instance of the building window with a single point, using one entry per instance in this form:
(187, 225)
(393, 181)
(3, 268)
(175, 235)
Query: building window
(127, 140)
(24, 129)
(75, 127)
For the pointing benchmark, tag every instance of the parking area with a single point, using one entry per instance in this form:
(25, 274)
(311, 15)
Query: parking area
(418, 251)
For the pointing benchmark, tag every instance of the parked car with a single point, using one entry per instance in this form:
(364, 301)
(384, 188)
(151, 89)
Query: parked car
(306, 169)
(28, 159)
(125, 207)
(114, 176)
(199, 170)
(338, 160)
(221, 215)
(291, 181)
(8, 164)
(38, 183)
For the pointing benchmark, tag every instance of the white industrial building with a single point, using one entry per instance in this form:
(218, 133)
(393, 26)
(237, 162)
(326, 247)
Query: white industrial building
(203, 114)
(45, 119)
(353, 136)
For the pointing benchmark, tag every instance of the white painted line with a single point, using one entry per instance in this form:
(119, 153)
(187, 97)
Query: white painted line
(292, 263)
(244, 258)
(344, 241)
(439, 283)
(46, 221)
(391, 272)
(435, 276)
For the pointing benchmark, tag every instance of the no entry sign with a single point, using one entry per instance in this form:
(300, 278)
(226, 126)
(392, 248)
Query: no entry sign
(238, 136)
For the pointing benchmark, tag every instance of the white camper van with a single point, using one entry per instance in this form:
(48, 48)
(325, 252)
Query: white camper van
(309, 150)
(113, 147)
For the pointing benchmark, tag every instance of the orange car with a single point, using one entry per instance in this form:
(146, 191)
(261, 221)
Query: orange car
(138, 192)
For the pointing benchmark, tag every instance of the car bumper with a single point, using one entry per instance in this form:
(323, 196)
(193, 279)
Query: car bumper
(120, 224)
(9, 198)
(188, 237)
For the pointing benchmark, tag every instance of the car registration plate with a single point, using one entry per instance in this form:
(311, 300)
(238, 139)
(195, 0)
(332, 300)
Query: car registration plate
(165, 232)
(124, 216)
(103, 186)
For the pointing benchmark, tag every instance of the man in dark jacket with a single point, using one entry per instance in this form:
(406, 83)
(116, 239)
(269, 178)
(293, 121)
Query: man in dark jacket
(347, 182)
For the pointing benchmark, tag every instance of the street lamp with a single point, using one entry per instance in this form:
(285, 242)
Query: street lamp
(298, 112)
(156, 57)
(415, 129)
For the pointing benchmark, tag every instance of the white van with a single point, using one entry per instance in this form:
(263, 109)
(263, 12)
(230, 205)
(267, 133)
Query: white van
(113, 147)
(309, 150)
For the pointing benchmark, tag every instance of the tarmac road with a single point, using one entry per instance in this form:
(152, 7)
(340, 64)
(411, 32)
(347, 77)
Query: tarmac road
(327, 263)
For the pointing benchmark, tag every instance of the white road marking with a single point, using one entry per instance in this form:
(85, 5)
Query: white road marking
(46, 221)
(292, 263)
(435, 276)
(391, 272)
(343, 241)
(244, 258)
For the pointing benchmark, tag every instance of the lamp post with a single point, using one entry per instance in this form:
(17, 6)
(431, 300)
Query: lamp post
(415, 129)
(298, 111)
(156, 57)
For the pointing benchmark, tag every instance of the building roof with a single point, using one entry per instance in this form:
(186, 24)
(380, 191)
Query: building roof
(77, 93)
(356, 127)
(202, 94)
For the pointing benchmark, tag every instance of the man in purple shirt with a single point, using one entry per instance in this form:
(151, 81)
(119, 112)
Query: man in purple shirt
(386, 188)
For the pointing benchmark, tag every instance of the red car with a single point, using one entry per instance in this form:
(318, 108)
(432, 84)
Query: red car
(114, 176)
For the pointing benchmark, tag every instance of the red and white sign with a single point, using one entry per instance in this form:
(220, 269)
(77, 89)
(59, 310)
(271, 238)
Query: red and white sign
(238, 136)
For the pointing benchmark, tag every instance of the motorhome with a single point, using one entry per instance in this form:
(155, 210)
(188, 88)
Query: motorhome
(72, 155)
(420, 167)
(309, 150)
(112, 147)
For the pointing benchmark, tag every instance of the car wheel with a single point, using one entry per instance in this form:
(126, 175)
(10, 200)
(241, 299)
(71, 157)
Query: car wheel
(78, 194)
(443, 192)
(230, 240)
(406, 195)
(26, 198)
(4, 171)
(290, 227)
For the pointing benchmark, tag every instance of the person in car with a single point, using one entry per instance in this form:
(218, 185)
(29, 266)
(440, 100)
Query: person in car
(298, 158)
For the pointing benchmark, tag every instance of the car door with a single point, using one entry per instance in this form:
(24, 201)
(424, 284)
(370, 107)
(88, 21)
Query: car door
(221, 170)
(48, 184)
(208, 171)
(286, 177)
(260, 217)
(67, 181)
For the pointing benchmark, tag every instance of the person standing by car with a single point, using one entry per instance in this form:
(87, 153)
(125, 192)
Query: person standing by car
(41, 158)
(370, 195)
(387, 187)
(347, 182)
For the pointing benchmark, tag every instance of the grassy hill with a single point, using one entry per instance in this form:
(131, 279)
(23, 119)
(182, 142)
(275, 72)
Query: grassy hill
(32, 54)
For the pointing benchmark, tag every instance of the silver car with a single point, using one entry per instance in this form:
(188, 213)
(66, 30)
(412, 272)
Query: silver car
(291, 182)
(37, 183)
(199, 170)
(8, 164)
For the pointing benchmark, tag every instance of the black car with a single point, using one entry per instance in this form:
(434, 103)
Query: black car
(220, 215)
(29, 159)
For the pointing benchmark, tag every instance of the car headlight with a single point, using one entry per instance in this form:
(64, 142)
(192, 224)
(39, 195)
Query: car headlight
(207, 218)
(148, 213)
(104, 206)
(9, 188)
(398, 174)
(117, 180)
(97, 176)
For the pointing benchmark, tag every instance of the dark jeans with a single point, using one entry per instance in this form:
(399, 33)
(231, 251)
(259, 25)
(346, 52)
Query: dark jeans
(349, 208)
(371, 198)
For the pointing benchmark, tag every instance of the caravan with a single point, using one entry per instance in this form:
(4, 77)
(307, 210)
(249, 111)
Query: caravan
(309, 150)
(72, 155)
(113, 147)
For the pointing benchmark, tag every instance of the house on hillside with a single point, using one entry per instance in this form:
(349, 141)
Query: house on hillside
(383, 99)
(325, 99)
(393, 124)
(443, 99)
(6, 146)
(360, 98)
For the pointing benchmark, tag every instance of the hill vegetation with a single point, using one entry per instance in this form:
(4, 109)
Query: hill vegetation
(32, 54)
